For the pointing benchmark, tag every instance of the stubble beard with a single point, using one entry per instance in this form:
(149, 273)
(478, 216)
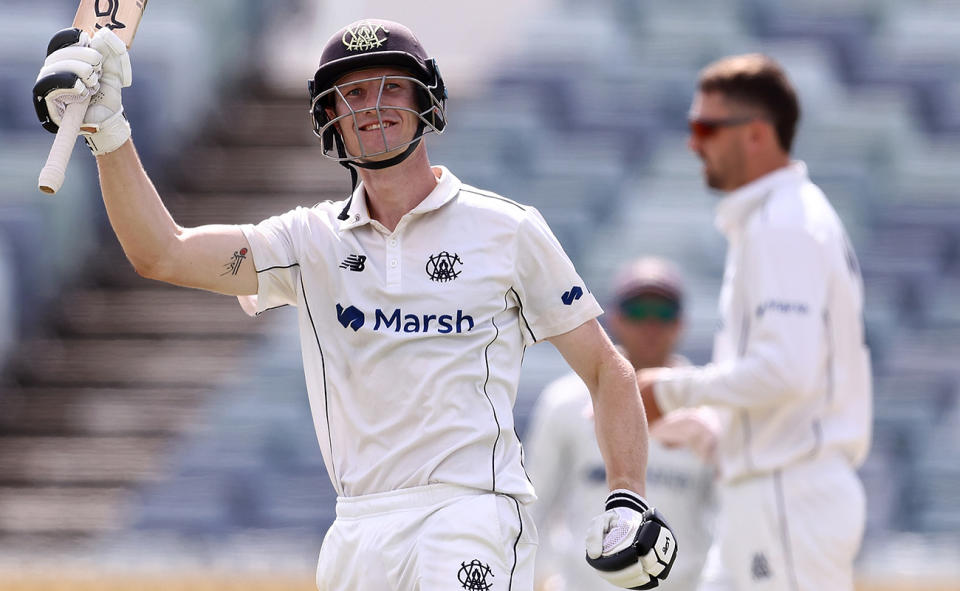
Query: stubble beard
(713, 179)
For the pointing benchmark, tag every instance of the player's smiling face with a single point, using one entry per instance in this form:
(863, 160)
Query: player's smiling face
(372, 130)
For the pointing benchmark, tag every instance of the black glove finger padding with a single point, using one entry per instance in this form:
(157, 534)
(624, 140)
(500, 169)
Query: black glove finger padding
(58, 81)
(43, 87)
(63, 38)
(649, 537)
(615, 562)
(646, 537)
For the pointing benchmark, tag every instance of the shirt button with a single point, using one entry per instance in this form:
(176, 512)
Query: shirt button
(393, 242)
(393, 263)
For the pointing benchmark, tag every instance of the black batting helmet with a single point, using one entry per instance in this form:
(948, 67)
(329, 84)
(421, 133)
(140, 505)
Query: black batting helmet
(372, 43)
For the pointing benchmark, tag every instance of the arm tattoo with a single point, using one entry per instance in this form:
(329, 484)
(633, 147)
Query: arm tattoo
(233, 265)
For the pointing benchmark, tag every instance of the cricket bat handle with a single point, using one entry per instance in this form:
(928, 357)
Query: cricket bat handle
(54, 171)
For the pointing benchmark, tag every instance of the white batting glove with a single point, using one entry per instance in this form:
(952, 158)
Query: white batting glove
(78, 66)
(630, 544)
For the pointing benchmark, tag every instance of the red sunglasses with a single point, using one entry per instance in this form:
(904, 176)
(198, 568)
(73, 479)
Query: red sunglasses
(704, 128)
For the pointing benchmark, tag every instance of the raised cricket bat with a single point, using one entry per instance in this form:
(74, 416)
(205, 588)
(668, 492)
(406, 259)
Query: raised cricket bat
(123, 16)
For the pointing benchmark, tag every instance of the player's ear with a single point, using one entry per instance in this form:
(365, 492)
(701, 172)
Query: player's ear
(331, 115)
(762, 132)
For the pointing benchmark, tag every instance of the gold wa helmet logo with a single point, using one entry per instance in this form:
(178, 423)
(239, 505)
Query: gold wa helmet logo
(363, 36)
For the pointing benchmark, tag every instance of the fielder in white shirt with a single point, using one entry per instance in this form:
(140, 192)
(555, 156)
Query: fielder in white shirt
(416, 298)
(645, 320)
(790, 366)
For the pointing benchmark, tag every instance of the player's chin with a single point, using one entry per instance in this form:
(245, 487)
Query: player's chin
(713, 180)
(381, 151)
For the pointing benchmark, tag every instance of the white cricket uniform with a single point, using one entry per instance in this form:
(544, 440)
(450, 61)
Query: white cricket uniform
(412, 342)
(792, 374)
(564, 462)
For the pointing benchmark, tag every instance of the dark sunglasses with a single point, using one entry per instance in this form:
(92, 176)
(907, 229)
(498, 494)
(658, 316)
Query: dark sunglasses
(646, 308)
(704, 128)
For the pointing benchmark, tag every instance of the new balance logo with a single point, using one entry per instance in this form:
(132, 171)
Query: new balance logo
(760, 568)
(354, 262)
(573, 295)
(397, 321)
(350, 317)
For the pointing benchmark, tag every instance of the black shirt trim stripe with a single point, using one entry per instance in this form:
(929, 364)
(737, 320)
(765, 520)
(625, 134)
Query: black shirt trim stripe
(326, 401)
(515, 542)
(272, 308)
(278, 267)
(493, 196)
(520, 305)
(486, 361)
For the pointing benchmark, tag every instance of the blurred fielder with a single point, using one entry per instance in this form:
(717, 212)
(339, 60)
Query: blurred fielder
(790, 365)
(565, 464)
(416, 296)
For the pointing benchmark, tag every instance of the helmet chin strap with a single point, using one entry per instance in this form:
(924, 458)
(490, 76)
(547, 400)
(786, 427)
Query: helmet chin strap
(352, 165)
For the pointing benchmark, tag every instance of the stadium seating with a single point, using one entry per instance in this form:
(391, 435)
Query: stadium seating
(587, 123)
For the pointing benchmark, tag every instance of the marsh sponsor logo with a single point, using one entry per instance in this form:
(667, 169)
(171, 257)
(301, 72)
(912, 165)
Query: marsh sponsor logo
(574, 294)
(350, 316)
(781, 307)
(397, 321)
(439, 323)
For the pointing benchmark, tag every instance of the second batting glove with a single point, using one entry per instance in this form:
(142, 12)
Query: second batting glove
(630, 544)
(78, 66)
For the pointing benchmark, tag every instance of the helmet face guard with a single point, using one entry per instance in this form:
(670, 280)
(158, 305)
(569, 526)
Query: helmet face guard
(430, 111)
(365, 44)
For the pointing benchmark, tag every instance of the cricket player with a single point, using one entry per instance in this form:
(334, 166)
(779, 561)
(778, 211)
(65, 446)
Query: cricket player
(417, 295)
(565, 464)
(790, 365)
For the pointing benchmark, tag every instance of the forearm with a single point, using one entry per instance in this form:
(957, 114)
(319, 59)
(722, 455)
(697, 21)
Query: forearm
(744, 383)
(621, 426)
(139, 218)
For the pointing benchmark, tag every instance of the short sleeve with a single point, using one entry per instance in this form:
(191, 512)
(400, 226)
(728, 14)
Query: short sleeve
(552, 297)
(273, 244)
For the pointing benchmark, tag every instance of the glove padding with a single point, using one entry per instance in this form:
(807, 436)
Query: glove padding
(77, 67)
(630, 544)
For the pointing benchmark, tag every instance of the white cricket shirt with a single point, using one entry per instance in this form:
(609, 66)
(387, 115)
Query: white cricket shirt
(790, 365)
(412, 339)
(565, 465)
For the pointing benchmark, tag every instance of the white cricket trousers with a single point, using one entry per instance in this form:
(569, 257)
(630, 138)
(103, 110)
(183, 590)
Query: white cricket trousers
(796, 529)
(431, 538)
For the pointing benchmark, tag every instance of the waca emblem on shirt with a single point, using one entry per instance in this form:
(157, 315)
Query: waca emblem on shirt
(443, 267)
(473, 575)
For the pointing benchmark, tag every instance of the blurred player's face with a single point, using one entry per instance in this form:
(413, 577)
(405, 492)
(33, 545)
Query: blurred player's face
(648, 328)
(719, 135)
(384, 105)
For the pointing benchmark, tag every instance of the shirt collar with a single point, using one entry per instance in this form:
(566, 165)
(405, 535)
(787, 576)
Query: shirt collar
(448, 185)
(355, 210)
(735, 205)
